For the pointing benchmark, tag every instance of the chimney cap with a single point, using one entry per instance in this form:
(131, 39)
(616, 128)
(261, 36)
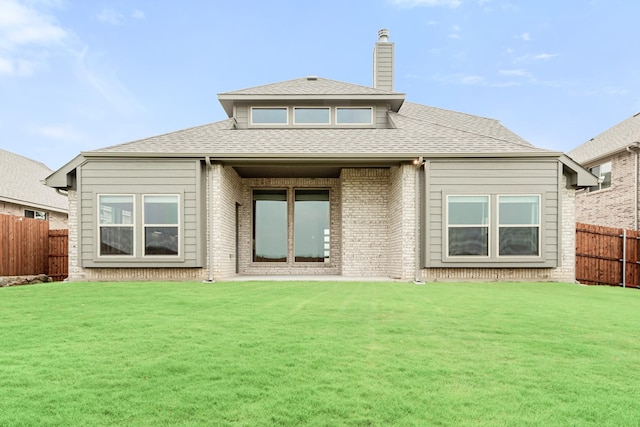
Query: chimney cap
(383, 35)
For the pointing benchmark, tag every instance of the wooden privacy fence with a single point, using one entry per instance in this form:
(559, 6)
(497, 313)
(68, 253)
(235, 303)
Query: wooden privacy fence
(607, 256)
(28, 247)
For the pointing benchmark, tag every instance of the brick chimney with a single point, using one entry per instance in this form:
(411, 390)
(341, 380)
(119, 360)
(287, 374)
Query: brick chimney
(383, 62)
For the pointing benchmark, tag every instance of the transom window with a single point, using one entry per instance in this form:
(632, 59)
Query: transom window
(354, 115)
(270, 115)
(308, 115)
(603, 172)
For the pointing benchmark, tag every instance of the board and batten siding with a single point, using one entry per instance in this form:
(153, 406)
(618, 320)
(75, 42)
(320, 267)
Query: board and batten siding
(143, 177)
(492, 177)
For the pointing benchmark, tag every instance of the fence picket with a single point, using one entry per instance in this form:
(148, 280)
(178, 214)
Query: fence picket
(27, 246)
(600, 256)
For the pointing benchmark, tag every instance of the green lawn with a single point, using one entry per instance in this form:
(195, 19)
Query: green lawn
(325, 354)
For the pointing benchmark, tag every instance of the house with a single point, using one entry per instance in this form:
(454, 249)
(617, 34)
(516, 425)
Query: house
(319, 177)
(613, 157)
(22, 192)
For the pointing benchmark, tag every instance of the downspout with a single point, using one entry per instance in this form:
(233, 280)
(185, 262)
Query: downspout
(630, 148)
(418, 221)
(209, 210)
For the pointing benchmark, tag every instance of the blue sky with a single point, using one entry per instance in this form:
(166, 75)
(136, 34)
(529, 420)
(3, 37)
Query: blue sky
(77, 75)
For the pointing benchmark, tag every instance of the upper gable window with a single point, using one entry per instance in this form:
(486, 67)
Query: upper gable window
(269, 115)
(603, 172)
(354, 116)
(311, 115)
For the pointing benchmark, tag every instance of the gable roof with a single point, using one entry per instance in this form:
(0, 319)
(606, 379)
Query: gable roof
(609, 142)
(21, 183)
(309, 88)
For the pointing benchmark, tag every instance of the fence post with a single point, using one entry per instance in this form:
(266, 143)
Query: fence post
(624, 258)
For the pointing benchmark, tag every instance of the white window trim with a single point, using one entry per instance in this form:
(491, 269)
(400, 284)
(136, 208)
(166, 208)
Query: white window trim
(273, 107)
(100, 225)
(498, 226)
(338, 123)
(328, 123)
(488, 226)
(177, 225)
(601, 177)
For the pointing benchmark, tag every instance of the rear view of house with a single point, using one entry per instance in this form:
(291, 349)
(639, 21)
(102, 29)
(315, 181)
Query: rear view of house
(318, 177)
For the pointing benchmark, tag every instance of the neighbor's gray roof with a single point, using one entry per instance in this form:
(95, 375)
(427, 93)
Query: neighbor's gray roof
(609, 142)
(20, 183)
(420, 130)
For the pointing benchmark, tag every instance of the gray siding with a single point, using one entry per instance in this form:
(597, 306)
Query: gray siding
(492, 177)
(183, 177)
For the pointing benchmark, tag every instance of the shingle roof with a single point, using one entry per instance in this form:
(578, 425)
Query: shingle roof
(20, 182)
(419, 130)
(310, 86)
(610, 141)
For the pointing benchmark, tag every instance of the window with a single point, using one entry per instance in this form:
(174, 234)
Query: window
(115, 219)
(603, 172)
(311, 226)
(269, 116)
(468, 225)
(35, 214)
(354, 116)
(305, 115)
(270, 226)
(161, 224)
(518, 225)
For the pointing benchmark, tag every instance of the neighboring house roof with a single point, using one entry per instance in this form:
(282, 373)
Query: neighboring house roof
(609, 142)
(21, 183)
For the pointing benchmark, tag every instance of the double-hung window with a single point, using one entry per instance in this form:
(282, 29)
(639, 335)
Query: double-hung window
(519, 225)
(468, 226)
(116, 228)
(161, 224)
(473, 230)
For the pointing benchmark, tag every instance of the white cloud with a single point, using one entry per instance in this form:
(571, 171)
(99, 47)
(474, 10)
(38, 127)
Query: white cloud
(524, 37)
(111, 16)
(63, 133)
(455, 32)
(138, 14)
(27, 35)
(538, 57)
(515, 73)
(428, 3)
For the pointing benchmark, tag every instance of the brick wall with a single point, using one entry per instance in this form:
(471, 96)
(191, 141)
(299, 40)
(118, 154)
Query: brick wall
(614, 206)
(223, 193)
(245, 248)
(402, 222)
(56, 220)
(365, 222)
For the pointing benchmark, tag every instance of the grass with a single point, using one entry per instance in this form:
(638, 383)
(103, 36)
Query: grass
(325, 354)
